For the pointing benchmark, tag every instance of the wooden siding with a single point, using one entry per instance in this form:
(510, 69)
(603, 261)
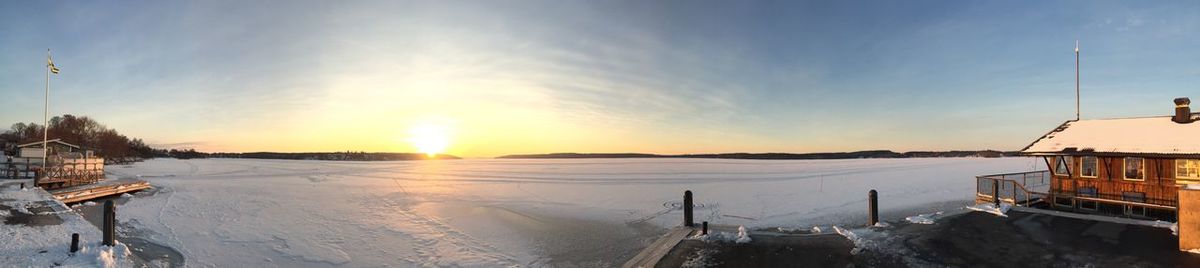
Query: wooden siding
(1158, 184)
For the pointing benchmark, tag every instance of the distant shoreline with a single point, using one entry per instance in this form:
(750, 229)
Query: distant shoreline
(772, 156)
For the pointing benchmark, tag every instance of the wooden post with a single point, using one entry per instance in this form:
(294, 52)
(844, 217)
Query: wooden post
(996, 192)
(873, 207)
(687, 209)
(110, 223)
(74, 242)
(704, 229)
(1188, 221)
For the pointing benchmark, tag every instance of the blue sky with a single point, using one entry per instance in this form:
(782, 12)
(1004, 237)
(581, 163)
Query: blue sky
(604, 76)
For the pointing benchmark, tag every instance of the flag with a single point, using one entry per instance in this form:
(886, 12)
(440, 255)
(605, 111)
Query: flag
(50, 64)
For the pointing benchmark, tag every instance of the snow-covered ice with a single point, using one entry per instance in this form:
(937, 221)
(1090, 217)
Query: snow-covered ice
(927, 218)
(1001, 211)
(508, 212)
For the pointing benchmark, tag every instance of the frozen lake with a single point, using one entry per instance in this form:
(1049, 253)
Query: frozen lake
(491, 212)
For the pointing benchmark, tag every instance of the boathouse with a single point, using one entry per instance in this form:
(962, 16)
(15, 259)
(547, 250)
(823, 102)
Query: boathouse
(68, 166)
(1125, 166)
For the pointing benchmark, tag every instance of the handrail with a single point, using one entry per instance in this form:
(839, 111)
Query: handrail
(1000, 180)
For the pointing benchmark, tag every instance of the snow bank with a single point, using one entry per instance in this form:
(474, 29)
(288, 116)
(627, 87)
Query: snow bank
(990, 208)
(859, 243)
(741, 237)
(923, 218)
(49, 245)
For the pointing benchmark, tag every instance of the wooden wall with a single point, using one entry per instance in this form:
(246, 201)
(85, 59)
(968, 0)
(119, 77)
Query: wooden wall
(1159, 180)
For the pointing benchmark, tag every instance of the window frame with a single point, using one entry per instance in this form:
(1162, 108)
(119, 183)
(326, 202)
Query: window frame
(1065, 162)
(1095, 170)
(1125, 169)
(1176, 168)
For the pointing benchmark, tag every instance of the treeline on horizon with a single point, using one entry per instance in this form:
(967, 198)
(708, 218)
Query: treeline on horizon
(337, 156)
(88, 134)
(776, 156)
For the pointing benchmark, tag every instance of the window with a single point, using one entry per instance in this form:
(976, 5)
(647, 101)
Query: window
(1134, 168)
(1062, 167)
(1087, 167)
(1187, 169)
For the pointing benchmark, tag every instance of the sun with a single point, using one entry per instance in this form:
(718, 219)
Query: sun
(430, 139)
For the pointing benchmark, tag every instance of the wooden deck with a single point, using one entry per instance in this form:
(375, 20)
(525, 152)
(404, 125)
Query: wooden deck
(650, 256)
(81, 193)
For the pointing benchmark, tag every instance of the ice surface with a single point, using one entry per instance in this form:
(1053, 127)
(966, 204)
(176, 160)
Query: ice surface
(507, 212)
(923, 218)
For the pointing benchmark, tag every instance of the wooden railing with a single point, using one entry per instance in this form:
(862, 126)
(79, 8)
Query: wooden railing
(1157, 195)
(1020, 188)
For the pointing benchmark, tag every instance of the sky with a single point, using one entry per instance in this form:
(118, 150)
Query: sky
(513, 77)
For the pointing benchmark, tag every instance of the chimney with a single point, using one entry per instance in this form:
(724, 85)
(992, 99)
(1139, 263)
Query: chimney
(1183, 113)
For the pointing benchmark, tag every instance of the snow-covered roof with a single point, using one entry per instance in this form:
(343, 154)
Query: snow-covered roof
(39, 143)
(1123, 136)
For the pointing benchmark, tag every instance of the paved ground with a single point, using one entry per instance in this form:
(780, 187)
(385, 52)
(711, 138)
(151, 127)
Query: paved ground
(972, 239)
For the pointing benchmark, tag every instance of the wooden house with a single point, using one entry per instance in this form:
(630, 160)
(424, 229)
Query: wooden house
(34, 149)
(1125, 166)
(68, 165)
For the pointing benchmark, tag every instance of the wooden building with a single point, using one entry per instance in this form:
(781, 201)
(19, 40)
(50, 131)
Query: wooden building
(68, 165)
(1126, 166)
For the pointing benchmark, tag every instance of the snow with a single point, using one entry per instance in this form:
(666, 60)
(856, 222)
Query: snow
(1174, 227)
(510, 212)
(923, 218)
(49, 245)
(1193, 251)
(1192, 186)
(742, 236)
(859, 243)
(991, 208)
(1158, 135)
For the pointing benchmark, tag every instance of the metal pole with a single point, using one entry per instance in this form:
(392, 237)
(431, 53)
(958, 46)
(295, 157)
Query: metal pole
(1076, 80)
(45, 120)
(873, 207)
(687, 209)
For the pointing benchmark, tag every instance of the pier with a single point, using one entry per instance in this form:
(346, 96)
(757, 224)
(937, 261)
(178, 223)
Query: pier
(81, 193)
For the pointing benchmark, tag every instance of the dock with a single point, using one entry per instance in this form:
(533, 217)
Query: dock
(109, 187)
(659, 249)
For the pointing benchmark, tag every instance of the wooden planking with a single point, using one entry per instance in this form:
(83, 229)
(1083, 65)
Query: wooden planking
(1189, 219)
(88, 193)
(650, 256)
(1158, 183)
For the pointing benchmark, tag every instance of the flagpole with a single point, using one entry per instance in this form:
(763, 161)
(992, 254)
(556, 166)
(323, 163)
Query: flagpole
(45, 123)
(1076, 80)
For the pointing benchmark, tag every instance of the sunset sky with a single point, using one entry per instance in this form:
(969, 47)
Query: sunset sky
(509, 77)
